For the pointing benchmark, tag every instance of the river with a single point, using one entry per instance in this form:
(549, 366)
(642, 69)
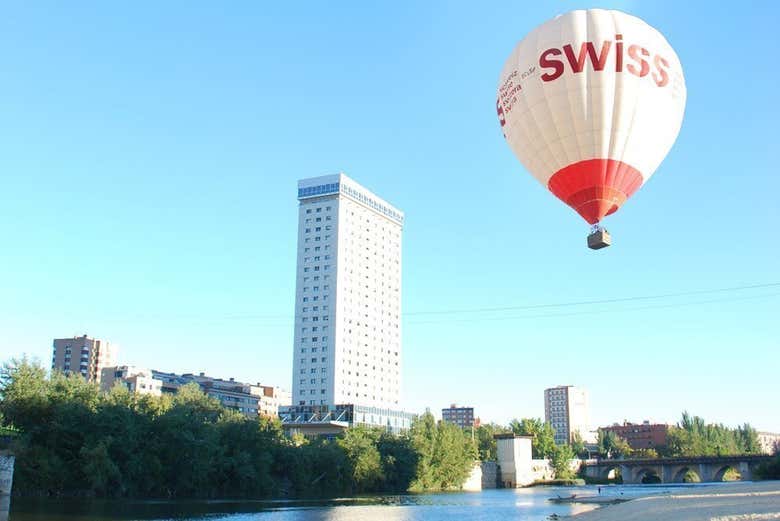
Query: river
(527, 504)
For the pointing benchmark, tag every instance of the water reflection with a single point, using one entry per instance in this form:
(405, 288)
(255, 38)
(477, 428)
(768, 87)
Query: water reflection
(490, 505)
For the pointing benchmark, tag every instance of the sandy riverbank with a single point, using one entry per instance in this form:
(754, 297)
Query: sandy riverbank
(733, 502)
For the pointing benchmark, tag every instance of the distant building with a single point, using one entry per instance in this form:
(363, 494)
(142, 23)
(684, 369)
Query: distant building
(643, 435)
(463, 417)
(82, 355)
(770, 442)
(249, 399)
(347, 336)
(136, 379)
(566, 409)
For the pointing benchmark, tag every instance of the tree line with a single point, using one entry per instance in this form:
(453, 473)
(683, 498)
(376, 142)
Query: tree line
(71, 439)
(692, 436)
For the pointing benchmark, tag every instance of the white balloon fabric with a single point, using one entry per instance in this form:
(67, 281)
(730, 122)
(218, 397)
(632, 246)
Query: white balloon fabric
(591, 102)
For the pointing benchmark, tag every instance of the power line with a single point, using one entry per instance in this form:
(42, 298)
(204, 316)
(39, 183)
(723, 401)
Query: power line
(591, 302)
(286, 320)
(594, 312)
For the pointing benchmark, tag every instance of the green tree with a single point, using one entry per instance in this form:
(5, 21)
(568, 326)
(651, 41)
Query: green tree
(486, 442)
(100, 470)
(72, 439)
(445, 454)
(399, 461)
(578, 445)
(610, 445)
(360, 447)
(560, 460)
(543, 443)
(692, 436)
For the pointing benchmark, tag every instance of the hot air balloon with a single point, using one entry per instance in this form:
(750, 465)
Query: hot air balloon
(591, 102)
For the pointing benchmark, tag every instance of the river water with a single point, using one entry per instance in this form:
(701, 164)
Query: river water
(527, 504)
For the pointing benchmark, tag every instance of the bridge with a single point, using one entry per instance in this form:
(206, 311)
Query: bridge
(674, 470)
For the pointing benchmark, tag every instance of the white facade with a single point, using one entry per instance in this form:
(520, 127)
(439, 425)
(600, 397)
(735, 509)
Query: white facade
(136, 379)
(566, 409)
(348, 296)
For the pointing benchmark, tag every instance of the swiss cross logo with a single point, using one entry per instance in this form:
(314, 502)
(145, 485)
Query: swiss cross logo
(501, 118)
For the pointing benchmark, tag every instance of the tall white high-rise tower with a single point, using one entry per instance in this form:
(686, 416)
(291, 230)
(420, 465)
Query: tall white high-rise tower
(348, 299)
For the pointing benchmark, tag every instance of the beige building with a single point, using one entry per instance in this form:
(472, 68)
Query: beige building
(136, 379)
(770, 442)
(566, 409)
(249, 399)
(83, 355)
(273, 398)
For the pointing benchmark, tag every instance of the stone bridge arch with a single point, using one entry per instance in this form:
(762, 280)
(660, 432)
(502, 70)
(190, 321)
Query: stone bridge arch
(610, 471)
(679, 473)
(648, 474)
(720, 473)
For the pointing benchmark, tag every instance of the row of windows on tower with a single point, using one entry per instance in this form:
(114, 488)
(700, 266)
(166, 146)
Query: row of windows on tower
(326, 287)
(315, 298)
(307, 269)
(316, 258)
(317, 229)
(313, 370)
(317, 238)
(317, 220)
(314, 349)
(314, 308)
(318, 209)
(314, 338)
(314, 329)
(316, 248)
(313, 381)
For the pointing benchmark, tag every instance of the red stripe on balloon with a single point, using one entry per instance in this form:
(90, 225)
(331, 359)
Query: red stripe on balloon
(595, 188)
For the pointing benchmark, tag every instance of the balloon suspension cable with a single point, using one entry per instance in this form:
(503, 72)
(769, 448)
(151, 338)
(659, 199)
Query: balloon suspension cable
(596, 227)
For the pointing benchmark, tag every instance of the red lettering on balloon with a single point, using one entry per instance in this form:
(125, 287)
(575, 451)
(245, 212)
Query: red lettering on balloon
(633, 52)
(639, 60)
(545, 62)
(662, 78)
(578, 63)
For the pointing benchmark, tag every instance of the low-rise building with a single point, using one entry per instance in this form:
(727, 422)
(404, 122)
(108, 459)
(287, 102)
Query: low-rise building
(136, 379)
(329, 420)
(463, 417)
(248, 399)
(770, 442)
(643, 435)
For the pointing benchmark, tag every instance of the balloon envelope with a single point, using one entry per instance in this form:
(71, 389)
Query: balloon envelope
(591, 102)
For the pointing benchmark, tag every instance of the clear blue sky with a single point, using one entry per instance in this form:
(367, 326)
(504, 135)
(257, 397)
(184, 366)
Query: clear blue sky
(149, 154)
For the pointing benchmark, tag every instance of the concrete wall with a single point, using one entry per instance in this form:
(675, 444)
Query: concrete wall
(490, 474)
(474, 481)
(6, 483)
